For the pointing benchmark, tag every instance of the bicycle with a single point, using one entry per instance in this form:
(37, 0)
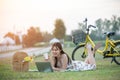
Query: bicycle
(111, 48)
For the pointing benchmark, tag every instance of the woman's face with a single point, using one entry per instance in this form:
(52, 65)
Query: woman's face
(56, 51)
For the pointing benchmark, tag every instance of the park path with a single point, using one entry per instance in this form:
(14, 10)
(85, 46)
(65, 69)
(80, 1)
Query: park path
(29, 51)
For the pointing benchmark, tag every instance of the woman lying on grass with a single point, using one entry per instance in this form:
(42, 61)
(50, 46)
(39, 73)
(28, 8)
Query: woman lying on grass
(60, 60)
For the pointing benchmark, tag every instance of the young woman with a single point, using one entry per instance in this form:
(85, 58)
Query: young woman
(60, 60)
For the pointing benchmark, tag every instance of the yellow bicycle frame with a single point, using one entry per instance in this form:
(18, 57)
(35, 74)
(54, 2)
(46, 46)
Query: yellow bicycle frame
(108, 43)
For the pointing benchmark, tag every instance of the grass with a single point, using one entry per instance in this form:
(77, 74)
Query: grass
(105, 71)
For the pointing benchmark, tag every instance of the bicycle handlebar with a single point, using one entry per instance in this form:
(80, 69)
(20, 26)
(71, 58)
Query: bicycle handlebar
(91, 26)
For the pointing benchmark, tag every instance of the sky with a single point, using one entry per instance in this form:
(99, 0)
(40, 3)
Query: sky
(18, 15)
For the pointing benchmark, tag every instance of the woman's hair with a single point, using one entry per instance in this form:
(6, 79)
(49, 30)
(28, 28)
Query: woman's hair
(58, 45)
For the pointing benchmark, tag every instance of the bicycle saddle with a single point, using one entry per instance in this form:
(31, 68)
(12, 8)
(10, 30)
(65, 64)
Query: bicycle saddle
(110, 33)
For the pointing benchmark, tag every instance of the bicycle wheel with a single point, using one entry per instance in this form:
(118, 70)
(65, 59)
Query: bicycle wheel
(78, 53)
(117, 58)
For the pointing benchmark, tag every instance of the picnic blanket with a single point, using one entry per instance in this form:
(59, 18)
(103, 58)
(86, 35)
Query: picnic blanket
(80, 66)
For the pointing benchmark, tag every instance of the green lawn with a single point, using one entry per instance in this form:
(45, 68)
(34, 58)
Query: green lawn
(105, 71)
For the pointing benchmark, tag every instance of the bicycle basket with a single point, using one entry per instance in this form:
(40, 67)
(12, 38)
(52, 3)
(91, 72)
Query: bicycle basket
(78, 36)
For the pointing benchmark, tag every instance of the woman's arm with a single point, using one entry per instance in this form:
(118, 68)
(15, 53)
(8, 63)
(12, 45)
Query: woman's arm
(53, 64)
(64, 63)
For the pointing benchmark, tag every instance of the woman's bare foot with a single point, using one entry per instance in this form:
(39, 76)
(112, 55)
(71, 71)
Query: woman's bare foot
(98, 45)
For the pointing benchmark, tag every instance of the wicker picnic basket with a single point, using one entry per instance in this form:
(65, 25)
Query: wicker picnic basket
(17, 62)
(78, 36)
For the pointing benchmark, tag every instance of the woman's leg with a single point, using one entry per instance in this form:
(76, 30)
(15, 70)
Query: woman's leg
(90, 58)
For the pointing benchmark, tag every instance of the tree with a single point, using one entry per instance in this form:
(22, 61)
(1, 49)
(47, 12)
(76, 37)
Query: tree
(118, 19)
(47, 36)
(14, 37)
(68, 38)
(33, 36)
(99, 25)
(115, 24)
(107, 25)
(60, 30)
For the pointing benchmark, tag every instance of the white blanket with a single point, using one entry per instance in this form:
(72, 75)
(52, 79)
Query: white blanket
(80, 66)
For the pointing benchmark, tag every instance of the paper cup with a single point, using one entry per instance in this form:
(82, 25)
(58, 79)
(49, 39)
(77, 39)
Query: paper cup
(45, 56)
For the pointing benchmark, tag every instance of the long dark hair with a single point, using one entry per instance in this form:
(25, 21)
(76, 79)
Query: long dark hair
(58, 44)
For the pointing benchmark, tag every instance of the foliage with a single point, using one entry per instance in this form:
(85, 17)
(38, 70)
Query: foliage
(47, 36)
(13, 36)
(107, 26)
(104, 25)
(60, 30)
(33, 35)
(68, 38)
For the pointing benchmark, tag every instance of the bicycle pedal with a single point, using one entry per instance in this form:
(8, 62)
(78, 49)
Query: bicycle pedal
(105, 53)
(112, 60)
